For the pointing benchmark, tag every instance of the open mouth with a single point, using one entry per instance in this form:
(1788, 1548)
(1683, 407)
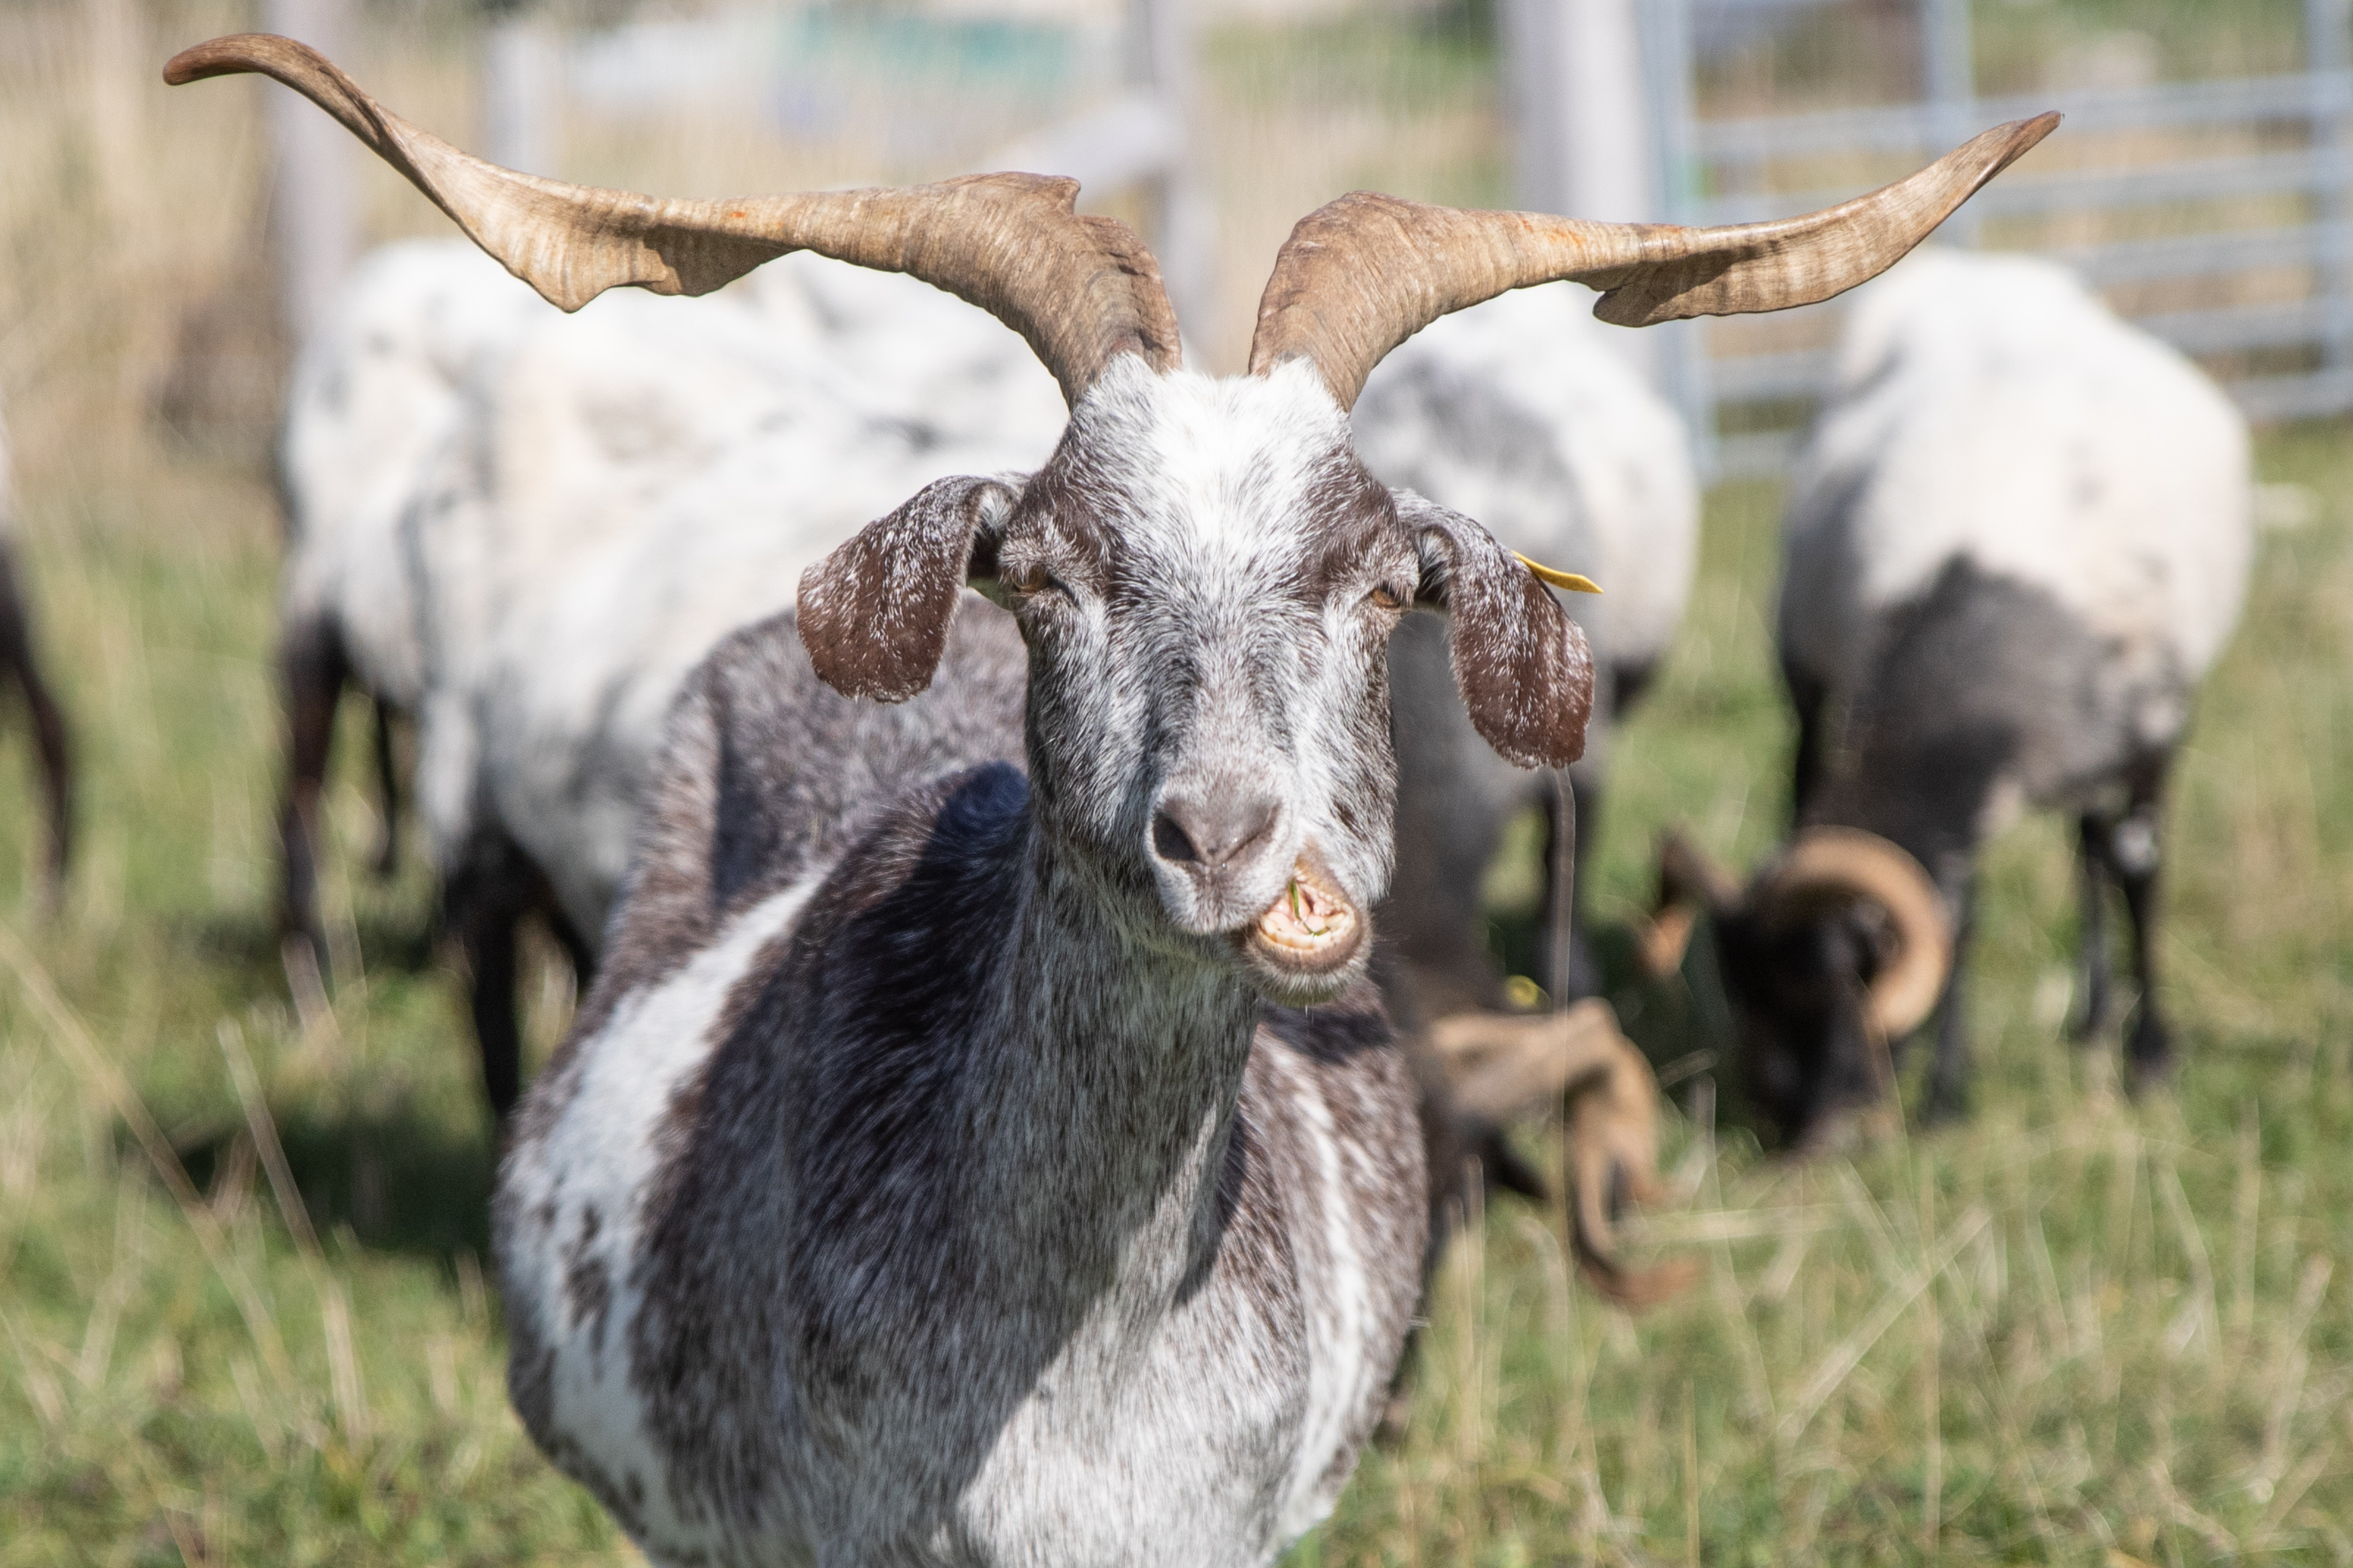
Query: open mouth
(1310, 927)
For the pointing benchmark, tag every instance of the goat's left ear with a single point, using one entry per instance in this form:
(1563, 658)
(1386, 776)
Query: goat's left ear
(1521, 664)
(874, 614)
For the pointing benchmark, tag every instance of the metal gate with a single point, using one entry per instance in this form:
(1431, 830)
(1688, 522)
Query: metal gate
(2218, 214)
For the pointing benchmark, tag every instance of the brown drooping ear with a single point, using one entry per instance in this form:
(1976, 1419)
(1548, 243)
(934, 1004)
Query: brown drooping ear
(874, 614)
(1690, 885)
(1522, 665)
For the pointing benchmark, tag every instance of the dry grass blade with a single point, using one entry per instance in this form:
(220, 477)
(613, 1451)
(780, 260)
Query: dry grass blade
(1848, 1353)
(101, 1075)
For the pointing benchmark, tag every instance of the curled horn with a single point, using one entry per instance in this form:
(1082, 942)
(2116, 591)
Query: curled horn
(1081, 291)
(1362, 274)
(1690, 885)
(1835, 864)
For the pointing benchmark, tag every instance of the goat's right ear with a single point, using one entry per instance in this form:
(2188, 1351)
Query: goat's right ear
(1690, 885)
(874, 614)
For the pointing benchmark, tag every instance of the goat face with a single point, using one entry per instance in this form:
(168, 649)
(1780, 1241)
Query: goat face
(1813, 1070)
(1207, 578)
(1836, 948)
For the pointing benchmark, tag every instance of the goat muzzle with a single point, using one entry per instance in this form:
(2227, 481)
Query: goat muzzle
(1311, 929)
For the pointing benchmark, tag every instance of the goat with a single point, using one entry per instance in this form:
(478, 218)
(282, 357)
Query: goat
(958, 1161)
(52, 749)
(1516, 412)
(373, 395)
(2017, 541)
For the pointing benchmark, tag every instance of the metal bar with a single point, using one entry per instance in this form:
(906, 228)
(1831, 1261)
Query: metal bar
(1666, 51)
(1950, 76)
(2203, 255)
(2269, 397)
(1912, 128)
(2228, 327)
(2203, 180)
(1771, 378)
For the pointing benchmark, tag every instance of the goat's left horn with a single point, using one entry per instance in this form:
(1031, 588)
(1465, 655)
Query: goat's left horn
(1362, 274)
(1081, 289)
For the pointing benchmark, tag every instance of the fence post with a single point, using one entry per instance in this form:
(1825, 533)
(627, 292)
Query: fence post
(1666, 37)
(2328, 54)
(1583, 143)
(519, 88)
(313, 225)
(1949, 67)
(1160, 57)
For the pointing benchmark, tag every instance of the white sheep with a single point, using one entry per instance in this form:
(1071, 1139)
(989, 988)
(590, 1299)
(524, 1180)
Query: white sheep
(1519, 413)
(2016, 544)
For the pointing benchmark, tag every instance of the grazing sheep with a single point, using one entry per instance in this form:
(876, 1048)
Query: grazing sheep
(373, 396)
(1520, 414)
(17, 664)
(628, 488)
(965, 1162)
(2017, 541)
(523, 528)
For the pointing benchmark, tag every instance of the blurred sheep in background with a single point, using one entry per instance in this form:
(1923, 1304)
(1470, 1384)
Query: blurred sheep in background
(525, 527)
(53, 752)
(2019, 540)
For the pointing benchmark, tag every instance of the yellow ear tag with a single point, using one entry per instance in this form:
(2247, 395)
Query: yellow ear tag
(1568, 580)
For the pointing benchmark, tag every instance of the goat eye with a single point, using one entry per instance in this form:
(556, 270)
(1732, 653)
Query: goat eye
(1386, 598)
(1027, 578)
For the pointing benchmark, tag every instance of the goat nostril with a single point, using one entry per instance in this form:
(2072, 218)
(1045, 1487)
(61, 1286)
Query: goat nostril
(1168, 840)
(1211, 833)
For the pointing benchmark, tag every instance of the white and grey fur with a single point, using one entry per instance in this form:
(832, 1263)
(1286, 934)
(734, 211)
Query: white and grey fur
(1520, 413)
(2017, 541)
(938, 1172)
(559, 515)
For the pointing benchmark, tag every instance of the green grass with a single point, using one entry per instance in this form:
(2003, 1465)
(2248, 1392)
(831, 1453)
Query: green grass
(2130, 1324)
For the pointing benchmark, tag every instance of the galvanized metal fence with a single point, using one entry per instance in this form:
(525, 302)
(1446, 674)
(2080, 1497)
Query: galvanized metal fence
(2222, 217)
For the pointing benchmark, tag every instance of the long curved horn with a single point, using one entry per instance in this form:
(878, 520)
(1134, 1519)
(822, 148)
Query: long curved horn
(1362, 274)
(1081, 289)
(1827, 865)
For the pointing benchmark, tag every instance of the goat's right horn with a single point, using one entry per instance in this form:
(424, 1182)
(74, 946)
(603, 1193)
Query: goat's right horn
(1081, 291)
(1362, 274)
(1829, 865)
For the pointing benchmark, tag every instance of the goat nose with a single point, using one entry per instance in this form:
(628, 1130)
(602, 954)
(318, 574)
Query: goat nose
(1210, 831)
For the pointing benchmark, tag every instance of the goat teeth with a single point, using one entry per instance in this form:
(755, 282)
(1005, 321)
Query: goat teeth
(1306, 917)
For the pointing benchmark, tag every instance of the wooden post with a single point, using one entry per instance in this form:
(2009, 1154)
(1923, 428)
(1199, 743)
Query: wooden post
(519, 90)
(1948, 73)
(1583, 126)
(314, 228)
(1160, 59)
(1583, 144)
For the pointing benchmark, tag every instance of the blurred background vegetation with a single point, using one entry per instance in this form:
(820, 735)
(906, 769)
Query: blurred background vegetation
(243, 1315)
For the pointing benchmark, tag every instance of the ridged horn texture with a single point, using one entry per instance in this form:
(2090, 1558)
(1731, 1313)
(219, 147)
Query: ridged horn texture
(1362, 274)
(1081, 289)
(1837, 864)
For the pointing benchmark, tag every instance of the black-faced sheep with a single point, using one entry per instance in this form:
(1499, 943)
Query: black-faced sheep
(2016, 544)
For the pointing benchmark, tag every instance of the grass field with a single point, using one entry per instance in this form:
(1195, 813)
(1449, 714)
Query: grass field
(243, 1297)
(243, 1317)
